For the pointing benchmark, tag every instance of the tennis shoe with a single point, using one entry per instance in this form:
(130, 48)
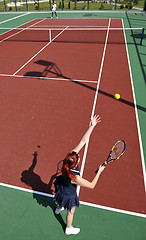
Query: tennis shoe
(72, 230)
(58, 210)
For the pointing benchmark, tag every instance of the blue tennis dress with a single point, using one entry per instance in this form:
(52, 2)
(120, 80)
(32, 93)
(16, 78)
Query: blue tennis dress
(65, 191)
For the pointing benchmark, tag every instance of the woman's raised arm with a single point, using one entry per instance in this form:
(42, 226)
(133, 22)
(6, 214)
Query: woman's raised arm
(94, 121)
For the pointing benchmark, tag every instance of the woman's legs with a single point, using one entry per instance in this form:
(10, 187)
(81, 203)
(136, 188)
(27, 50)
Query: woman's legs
(69, 217)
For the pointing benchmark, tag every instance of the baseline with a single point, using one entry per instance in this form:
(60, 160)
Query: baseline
(81, 202)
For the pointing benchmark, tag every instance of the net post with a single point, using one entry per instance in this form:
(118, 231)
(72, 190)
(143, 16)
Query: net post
(142, 35)
(50, 35)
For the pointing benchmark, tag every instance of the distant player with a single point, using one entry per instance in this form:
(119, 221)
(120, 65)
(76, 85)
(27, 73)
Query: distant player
(54, 10)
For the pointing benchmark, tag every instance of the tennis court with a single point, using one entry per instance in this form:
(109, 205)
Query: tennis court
(55, 74)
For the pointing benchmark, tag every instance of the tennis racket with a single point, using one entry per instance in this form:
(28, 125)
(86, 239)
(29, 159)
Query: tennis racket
(116, 152)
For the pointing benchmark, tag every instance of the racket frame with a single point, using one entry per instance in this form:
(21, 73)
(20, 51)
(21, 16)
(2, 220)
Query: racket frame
(109, 156)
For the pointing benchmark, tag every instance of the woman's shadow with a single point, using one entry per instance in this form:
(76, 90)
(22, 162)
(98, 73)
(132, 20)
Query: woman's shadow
(30, 178)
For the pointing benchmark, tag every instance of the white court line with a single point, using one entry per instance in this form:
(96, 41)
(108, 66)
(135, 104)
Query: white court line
(94, 104)
(61, 26)
(116, 210)
(39, 51)
(73, 11)
(136, 113)
(49, 78)
(19, 31)
(14, 18)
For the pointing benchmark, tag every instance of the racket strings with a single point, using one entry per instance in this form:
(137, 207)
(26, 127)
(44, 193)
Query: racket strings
(118, 150)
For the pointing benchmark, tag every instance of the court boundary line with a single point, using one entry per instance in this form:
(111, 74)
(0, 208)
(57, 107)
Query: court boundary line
(94, 103)
(79, 11)
(49, 78)
(14, 18)
(136, 112)
(39, 52)
(116, 210)
(71, 26)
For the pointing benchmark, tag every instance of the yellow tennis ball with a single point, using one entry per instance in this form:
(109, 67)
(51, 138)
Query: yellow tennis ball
(117, 96)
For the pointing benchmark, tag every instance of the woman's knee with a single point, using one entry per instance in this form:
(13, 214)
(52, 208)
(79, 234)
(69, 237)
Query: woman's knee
(73, 210)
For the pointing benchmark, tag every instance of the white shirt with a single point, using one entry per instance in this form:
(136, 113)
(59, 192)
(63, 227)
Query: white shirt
(54, 7)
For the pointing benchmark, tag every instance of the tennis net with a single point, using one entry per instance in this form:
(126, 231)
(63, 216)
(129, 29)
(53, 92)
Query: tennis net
(73, 35)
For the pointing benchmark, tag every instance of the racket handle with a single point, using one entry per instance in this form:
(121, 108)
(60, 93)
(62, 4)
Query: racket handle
(98, 168)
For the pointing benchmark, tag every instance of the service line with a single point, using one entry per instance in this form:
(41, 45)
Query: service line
(39, 52)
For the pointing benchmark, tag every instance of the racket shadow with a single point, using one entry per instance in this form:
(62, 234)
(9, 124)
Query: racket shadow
(30, 178)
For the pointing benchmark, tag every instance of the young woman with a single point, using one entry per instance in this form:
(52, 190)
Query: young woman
(65, 185)
(54, 9)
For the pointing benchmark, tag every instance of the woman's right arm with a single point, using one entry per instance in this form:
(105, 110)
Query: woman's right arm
(85, 183)
(83, 141)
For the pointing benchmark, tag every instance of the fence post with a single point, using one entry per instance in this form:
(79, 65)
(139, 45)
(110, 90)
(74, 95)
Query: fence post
(5, 9)
(50, 4)
(26, 5)
(38, 5)
(144, 8)
(62, 4)
(101, 7)
(15, 1)
(115, 4)
(88, 5)
(75, 4)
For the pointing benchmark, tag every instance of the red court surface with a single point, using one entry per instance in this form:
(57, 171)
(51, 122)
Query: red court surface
(54, 111)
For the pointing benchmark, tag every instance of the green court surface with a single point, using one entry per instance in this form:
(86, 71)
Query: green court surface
(25, 215)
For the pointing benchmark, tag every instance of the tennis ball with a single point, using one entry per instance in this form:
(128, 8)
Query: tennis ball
(117, 96)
